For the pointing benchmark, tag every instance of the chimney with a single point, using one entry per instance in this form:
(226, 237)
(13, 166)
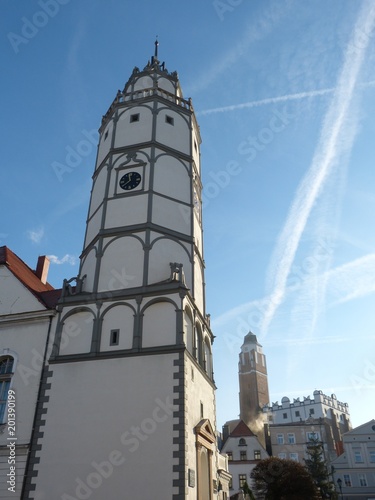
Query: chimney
(42, 268)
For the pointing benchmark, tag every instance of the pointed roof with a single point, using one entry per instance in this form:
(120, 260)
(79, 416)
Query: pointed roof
(241, 430)
(251, 338)
(44, 292)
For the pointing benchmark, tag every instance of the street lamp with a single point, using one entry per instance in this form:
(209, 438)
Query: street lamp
(339, 482)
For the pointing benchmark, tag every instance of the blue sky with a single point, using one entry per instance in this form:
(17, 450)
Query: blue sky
(284, 92)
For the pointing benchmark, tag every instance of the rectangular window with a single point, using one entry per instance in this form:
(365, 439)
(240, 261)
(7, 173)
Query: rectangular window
(231, 483)
(291, 438)
(372, 456)
(106, 135)
(4, 388)
(358, 457)
(347, 480)
(202, 410)
(169, 120)
(313, 436)
(114, 339)
(280, 439)
(256, 454)
(230, 456)
(242, 479)
(293, 456)
(298, 414)
(243, 455)
(362, 479)
(282, 455)
(134, 118)
(285, 415)
(312, 411)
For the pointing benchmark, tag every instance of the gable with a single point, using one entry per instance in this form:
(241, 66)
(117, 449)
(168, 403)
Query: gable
(14, 296)
(367, 428)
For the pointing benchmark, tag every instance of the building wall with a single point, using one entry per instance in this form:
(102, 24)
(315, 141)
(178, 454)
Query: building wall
(101, 432)
(237, 466)
(355, 468)
(24, 328)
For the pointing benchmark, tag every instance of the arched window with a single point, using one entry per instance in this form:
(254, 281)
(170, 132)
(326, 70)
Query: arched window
(6, 372)
(242, 442)
(207, 357)
(199, 345)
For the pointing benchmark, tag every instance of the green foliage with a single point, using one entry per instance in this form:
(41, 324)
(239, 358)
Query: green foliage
(246, 489)
(278, 479)
(317, 466)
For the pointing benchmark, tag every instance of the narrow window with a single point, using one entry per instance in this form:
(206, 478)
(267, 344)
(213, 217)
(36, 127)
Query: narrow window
(280, 439)
(230, 456)
(202, 412)
(243, 455)
(169, 120)
(362, 479)
(347, 480)
(297, 413)
(242, 479)
(134, 118)
(106, 135)
(285, 415)
(114, 338)
(358, 457)
(6, 372)
(256, 454)
(291, 439)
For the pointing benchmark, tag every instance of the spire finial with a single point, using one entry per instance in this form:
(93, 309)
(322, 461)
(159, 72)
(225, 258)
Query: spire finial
(156, 47)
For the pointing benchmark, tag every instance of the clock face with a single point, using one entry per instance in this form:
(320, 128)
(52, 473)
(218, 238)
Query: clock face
(130, 180)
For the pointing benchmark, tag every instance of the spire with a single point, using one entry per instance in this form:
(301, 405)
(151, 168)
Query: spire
(156, 48)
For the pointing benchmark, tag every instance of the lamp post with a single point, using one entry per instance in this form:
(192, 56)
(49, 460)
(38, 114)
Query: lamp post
(339, 482)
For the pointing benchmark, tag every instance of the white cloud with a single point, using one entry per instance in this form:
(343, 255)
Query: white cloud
(340, 120)
(36, 235)
(67, 259)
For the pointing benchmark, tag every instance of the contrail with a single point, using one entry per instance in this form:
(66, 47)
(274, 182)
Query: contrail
(326, 156)
(275, 100)
(269, 100)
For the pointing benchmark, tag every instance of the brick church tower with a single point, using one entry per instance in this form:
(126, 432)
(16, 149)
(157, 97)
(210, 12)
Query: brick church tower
(253, 382)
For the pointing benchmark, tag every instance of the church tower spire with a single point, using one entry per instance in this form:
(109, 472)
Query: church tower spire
(131, 406)
(253, 382)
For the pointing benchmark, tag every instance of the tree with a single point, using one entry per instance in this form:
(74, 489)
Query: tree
(318, 468)
(279, 479)
(247, 491)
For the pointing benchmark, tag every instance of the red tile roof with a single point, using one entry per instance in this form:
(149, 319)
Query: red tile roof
(241, 430)
(44, 292)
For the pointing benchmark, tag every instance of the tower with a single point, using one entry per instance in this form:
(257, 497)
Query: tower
(252, 372)
(128, 399)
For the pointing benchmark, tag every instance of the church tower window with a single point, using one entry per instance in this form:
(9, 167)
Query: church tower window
(169, 120)
(114, 340)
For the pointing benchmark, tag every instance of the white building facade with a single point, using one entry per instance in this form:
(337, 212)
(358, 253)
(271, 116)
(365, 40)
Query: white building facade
(354, 470)
(290, 425)
(126, 404)
(27, 313)
(244, 450)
